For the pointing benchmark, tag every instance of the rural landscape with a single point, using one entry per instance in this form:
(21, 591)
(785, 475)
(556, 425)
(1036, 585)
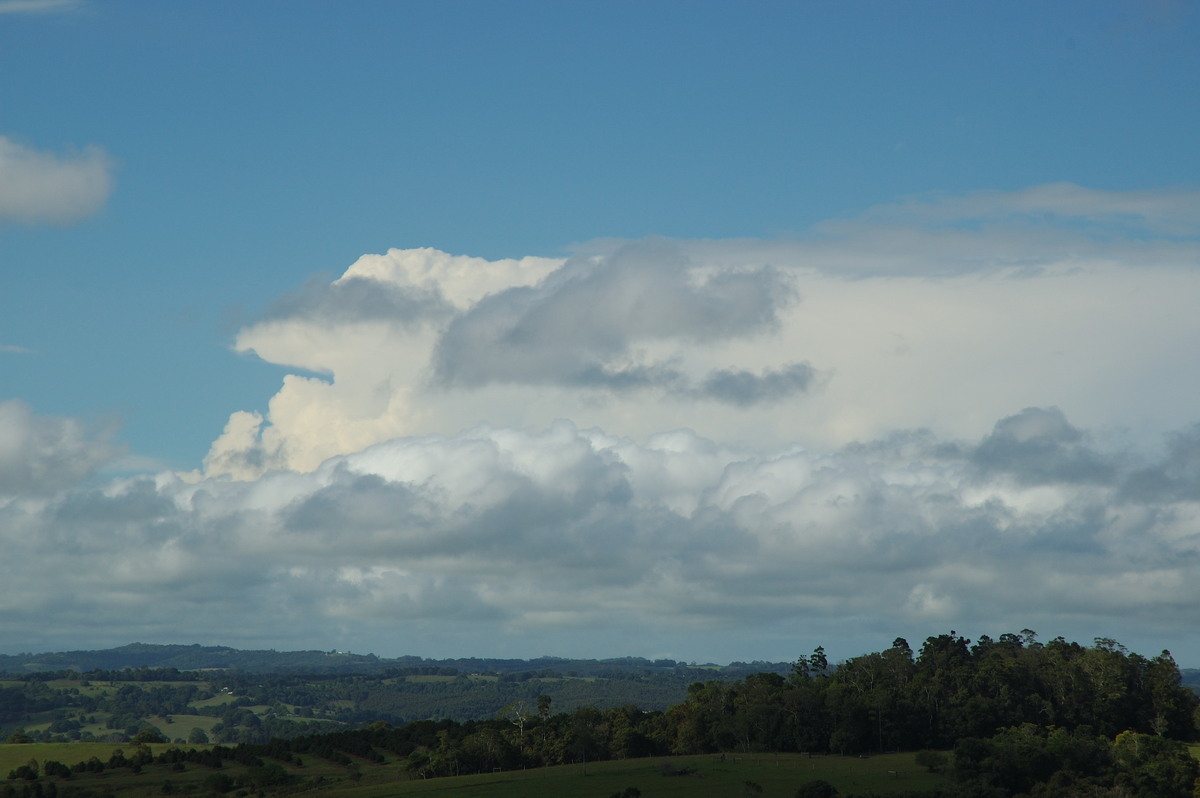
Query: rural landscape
(988, 718)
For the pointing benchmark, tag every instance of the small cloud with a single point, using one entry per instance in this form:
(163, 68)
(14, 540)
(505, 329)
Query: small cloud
(13, 349)
(39, 187)
(38, 6)
(41, 454)
(744, 388)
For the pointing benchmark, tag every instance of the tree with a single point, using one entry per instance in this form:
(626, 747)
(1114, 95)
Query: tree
(148, 734)
(1172, 706)
(932, 761)
(1154, 767)
(515, 713)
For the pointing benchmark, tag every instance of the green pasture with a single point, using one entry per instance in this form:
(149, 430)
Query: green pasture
(182, 725)
(778, 775)
(15, 754)
(179, 726)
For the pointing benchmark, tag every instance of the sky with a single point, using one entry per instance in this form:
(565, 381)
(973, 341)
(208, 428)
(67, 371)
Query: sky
(713, 331)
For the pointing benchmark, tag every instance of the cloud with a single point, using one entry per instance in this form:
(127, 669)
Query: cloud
(39, 187)
(942, 235)
(1104, 215)
(406, 336)
(744, 388)
(40, 454)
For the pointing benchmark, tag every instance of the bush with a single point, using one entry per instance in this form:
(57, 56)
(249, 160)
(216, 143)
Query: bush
(218, 783)
(817, 788)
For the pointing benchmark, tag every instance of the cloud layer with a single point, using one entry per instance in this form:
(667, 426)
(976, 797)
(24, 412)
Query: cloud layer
(514, 540)
(971, 413)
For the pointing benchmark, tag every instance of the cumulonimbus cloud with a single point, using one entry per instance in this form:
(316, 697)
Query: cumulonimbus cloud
(940, 312)
(895, 423)
(402, 337)
(43, 187)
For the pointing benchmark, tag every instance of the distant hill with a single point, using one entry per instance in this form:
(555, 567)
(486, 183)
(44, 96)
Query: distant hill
(250, 696)
(199, 658)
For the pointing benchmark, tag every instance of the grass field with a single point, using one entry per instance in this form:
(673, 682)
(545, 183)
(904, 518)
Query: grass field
(778, 775)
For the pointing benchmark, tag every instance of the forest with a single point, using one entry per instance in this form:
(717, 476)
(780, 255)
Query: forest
(1002, 717)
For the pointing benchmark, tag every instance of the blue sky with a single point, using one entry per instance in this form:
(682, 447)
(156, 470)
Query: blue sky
(709, 254)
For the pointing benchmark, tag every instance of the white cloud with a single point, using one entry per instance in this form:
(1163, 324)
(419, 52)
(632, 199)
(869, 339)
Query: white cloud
(40, 454)
(503, 539)
(39, 187)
